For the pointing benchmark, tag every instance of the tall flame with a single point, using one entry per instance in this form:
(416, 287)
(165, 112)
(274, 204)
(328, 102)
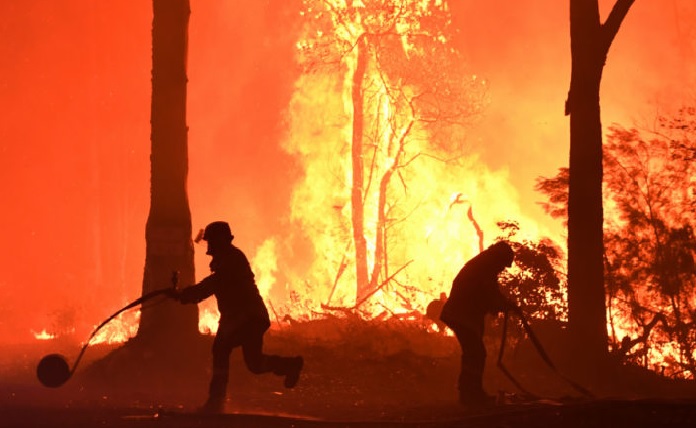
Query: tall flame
(408, 189)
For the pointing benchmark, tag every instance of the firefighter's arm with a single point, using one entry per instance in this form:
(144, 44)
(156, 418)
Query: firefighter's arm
(196, 293)
(502, 302)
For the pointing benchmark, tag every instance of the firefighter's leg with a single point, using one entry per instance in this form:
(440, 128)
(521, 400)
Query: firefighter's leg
(257, 362)
(473, 360)
(222, 347)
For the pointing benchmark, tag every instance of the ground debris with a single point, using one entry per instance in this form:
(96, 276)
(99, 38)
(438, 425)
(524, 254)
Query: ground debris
(359, 373)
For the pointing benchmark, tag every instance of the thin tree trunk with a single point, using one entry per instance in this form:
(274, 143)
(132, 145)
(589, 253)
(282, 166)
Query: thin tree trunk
(381, 229)
(357, 191)
(590, 42)
(168, 230)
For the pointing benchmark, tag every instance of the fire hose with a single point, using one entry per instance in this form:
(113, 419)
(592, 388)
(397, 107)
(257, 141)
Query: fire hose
(53, 369)
(540, 350)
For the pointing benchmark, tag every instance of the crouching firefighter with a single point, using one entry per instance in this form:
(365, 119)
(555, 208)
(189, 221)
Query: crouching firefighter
(475, 293)
(243, 316)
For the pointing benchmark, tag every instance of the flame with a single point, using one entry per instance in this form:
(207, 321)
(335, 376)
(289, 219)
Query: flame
(118, 330)
(208, 317)
(661, 354)
(428, 234)
(43, 335)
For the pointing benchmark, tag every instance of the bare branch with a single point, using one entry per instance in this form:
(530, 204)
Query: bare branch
(379, 287)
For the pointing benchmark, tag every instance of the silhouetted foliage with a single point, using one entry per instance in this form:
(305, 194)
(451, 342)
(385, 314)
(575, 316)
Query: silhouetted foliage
(536, 282)
(556, 190)
(649, 240)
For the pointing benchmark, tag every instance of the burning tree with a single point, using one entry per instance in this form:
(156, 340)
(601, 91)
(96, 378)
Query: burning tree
(406, 96)
(649, 241)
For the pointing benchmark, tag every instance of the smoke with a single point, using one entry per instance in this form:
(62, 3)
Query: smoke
(242, 73)
(523, 49)
(74, 79)
(74, 139)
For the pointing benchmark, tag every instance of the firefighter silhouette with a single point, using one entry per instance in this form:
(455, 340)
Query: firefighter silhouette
(475, 293)
(243, 316)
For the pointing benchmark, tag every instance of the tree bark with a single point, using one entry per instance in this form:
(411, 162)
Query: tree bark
(168, 230)
(590, 42)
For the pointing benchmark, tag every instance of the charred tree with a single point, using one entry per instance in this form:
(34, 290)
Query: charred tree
(590, 42)
(358, 187)
(168, 230)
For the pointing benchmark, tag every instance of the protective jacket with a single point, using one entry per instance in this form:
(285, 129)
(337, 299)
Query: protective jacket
(475, 292)
(232, 282)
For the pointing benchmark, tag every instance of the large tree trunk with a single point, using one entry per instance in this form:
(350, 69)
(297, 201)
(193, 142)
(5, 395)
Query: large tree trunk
(168, 230)
(590, 41)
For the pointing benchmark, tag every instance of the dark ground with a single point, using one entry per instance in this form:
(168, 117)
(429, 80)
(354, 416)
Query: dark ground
(356, 374)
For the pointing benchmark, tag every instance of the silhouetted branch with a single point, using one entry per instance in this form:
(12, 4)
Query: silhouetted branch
(628, 344)
(479, 231)
(385, 282)
(614, 20)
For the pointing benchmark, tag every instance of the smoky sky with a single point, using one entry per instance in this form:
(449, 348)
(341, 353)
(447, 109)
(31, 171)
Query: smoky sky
(74, 134)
